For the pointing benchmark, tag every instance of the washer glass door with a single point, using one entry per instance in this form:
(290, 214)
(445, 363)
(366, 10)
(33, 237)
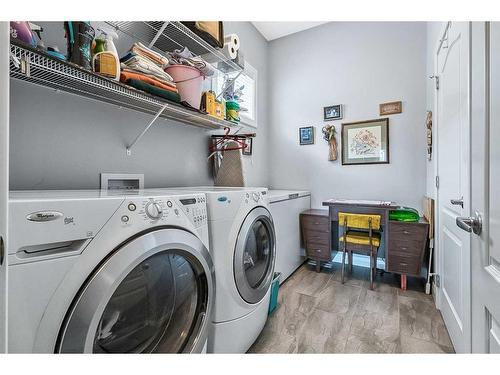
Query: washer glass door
(152, 295)
(153, 308)
(254, 255)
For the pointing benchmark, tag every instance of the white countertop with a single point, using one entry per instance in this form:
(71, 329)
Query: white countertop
(280, 195)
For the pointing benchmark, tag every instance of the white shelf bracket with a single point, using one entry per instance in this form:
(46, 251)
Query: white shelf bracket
(15, 60)
(158, 34)
(158, 114)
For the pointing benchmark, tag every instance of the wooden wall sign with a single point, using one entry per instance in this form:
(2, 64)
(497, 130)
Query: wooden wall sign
(391, 108)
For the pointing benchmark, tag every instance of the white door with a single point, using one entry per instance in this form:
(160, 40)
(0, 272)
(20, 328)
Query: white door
(453, 130)
(485, 187)
(4, 175)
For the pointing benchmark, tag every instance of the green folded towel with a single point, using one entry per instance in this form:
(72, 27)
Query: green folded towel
(157, 91)
(404, 214)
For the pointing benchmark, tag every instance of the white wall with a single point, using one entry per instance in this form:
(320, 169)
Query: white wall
(61, 141)
(359, 65)
(434, 30)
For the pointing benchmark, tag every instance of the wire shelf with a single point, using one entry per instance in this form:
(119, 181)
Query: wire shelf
(167, 36)
(39, 68)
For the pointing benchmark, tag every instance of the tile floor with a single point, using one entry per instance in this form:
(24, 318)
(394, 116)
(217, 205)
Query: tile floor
(317, 314)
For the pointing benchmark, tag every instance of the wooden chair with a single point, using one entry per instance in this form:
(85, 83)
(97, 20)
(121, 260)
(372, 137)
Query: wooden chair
(361, 235)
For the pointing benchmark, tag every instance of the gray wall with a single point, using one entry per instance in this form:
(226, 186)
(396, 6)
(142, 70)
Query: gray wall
(62, 141)
(359, 65)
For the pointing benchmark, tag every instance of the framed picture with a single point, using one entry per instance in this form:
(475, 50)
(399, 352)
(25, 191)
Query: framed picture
(334, 112)
(306, 135)
(248, 150)
(365, 142)
(391, 108)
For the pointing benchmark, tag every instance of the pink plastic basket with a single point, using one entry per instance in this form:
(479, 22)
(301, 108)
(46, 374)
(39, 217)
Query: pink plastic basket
(189, 82)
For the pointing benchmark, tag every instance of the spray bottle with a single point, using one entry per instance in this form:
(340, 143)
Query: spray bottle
(106, 60)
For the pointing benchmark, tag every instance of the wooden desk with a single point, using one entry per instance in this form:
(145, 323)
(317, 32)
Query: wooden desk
(316, 235)
(336, 206)
(404, 249)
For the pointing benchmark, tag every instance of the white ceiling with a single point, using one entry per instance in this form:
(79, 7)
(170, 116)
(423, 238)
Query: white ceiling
(275, 30)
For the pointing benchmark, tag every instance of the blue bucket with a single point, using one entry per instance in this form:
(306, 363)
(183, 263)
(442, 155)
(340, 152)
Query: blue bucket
(275, 286)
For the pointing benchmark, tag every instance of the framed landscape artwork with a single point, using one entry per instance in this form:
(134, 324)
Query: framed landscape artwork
(365, 142)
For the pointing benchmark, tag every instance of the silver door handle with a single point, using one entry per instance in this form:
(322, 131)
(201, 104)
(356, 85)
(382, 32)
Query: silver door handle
(2, 251)
(470, 224)
(457, 202)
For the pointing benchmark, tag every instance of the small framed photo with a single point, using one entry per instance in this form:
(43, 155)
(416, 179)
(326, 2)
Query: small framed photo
(333, 112)
(391, 108)
(365, 142)
(306, 135)
(248, 150)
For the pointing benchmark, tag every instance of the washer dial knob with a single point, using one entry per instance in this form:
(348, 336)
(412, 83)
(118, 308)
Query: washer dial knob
(255, 197)
(154, 210)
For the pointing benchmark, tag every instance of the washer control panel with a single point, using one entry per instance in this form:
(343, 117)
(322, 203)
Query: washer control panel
(157, 209)
(154, 210)
(195, 207)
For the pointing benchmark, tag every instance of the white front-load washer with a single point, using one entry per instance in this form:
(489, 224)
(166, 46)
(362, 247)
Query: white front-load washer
(91, 272)
(242, 243)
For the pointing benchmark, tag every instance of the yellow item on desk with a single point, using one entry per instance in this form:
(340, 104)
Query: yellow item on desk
(212, 106)
(360, 221)
(361, 238)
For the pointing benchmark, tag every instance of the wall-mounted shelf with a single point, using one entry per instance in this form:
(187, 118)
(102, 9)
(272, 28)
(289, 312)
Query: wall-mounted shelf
(167, 36)
(37, 67)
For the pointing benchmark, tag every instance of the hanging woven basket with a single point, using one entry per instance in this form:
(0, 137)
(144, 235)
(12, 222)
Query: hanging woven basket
(333, 152)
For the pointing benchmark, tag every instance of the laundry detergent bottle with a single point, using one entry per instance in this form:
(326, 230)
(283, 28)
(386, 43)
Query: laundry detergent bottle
(106, 61)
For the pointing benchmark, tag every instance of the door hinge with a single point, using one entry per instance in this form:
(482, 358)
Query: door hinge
(437, 182)
(437, 280)
(436, 81)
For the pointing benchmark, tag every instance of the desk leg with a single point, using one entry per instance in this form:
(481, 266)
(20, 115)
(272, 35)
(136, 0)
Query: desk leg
(403, 282)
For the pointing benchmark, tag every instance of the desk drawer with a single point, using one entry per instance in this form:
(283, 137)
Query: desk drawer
(317, 237)
(404, 264)
(312, 223)
(406, 247)
(318, 251)
(406, 231)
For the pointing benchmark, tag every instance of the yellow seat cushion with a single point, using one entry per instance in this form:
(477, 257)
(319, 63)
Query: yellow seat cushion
(361, 238)
(360, 221)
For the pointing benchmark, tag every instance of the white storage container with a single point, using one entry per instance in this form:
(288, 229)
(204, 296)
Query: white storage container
(286, 206)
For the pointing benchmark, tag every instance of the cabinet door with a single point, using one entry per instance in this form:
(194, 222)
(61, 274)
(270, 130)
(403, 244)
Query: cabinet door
(289, 254)
(4, 176)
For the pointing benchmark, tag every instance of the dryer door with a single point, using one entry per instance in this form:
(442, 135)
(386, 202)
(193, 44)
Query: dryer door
(254, 255)
(151, 295)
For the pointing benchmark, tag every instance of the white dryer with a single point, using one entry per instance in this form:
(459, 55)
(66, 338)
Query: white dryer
(96, 273)
(242, 242)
